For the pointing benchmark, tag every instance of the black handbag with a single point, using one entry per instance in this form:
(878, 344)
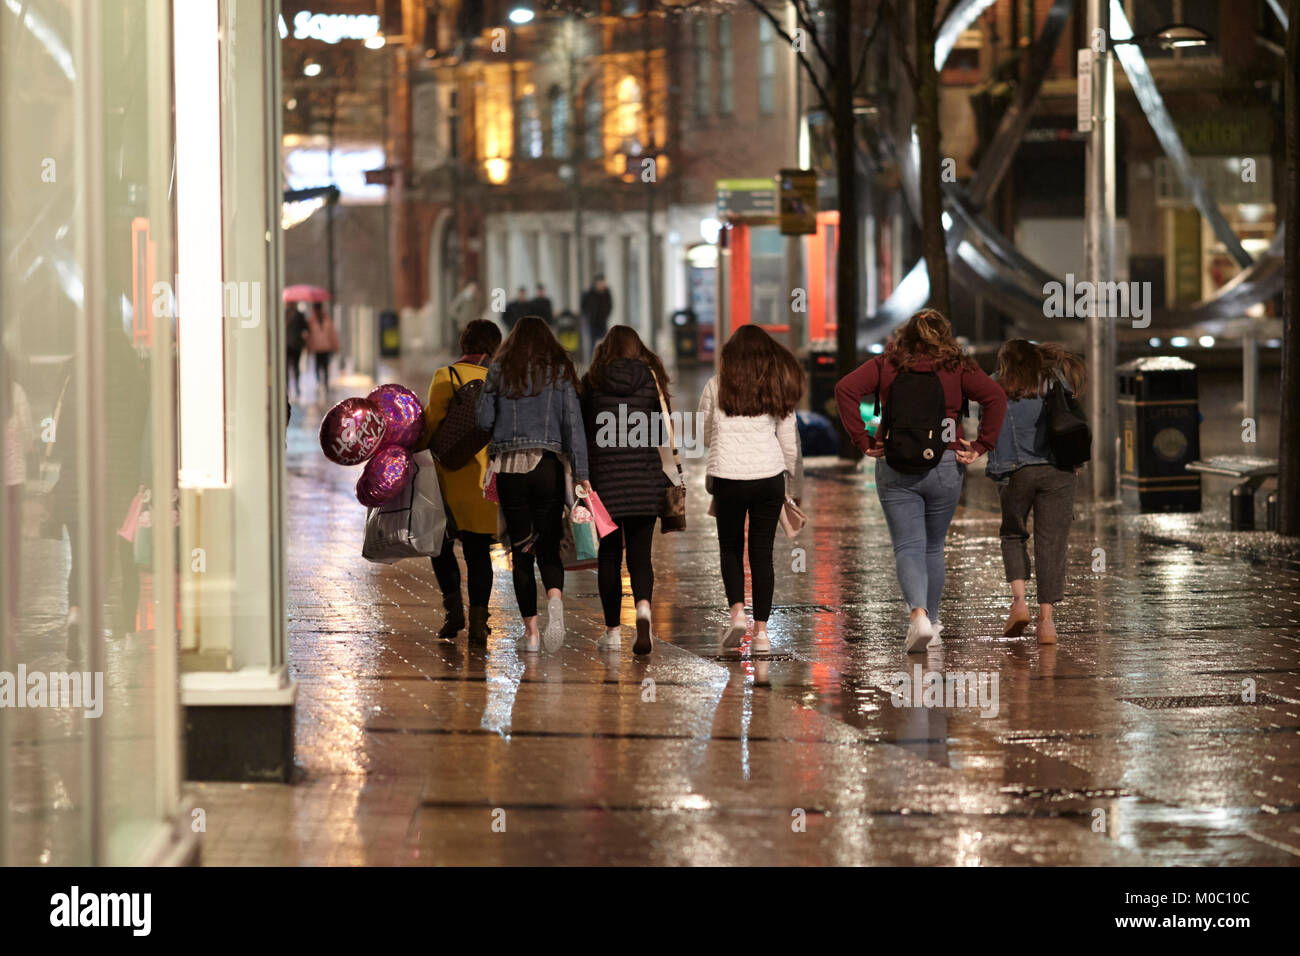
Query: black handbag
(1068, 434)
(458, 438)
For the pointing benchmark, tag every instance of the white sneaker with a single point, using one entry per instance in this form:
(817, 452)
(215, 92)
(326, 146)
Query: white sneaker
(610, 637)
(732, 633)
(936, 641)
(760, 644)
(919, 633)
(532, 643)
(553, 636)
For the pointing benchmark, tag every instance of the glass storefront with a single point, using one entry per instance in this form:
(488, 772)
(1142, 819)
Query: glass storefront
(88, 675)
(144, 420)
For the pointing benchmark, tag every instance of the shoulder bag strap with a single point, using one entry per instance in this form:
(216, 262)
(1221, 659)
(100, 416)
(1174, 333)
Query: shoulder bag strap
(672, 441)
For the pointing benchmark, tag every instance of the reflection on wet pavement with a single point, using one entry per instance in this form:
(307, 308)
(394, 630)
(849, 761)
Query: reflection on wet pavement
(1128, 742)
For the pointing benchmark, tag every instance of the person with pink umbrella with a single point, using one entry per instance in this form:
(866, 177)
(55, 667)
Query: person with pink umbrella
(323, 342)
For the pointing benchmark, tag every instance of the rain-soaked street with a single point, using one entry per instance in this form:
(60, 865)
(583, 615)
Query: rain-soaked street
(1162, 729)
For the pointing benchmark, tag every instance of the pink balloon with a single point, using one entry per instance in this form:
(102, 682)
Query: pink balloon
(403, 414)
(351, 431)
(384, 475)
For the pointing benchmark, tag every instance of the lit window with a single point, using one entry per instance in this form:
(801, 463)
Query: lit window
(629, 110)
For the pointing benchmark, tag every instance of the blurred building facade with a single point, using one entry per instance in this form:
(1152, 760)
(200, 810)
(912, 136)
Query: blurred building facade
(586, 141)
(1224, 100)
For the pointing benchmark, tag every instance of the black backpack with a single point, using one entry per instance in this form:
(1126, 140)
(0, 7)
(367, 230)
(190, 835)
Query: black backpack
(912, 427)
(1068, 434)
(458, 438)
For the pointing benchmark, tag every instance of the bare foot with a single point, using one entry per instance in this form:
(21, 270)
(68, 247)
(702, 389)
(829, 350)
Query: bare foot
(1046, 630)
(1017, 619)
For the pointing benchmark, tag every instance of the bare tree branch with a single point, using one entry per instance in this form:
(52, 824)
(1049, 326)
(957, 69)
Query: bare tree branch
(891, 17)
(822, 95)
(866, 46)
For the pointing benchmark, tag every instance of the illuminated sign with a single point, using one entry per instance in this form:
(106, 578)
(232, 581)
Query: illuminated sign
(309, 162)
(333, 27)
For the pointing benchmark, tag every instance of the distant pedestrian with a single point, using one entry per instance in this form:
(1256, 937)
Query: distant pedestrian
(1028, 480)
(624, 384)
(517, 308)
(596, 306)
(322, 342)
(295, 340)
(530, 406)
(747, 418)
(471, 518)
(922, 382)
(540, 306)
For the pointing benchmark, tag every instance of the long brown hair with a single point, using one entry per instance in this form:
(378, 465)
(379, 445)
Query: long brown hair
(926, 335)
(530, 358)
(622, 342)
(758, 375)
(1020, 369)
(1070, 364)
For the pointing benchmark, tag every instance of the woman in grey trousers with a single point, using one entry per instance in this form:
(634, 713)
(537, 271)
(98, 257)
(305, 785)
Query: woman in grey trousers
(1028, 480)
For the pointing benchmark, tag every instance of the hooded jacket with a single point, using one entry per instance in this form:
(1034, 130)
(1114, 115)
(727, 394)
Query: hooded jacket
(619, 408)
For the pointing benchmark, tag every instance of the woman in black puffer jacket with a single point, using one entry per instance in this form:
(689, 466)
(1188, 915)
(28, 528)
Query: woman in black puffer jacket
(620, 405)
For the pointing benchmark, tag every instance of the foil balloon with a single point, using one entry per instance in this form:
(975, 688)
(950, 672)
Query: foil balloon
(351, 431)
(402, 413)
(384, 475)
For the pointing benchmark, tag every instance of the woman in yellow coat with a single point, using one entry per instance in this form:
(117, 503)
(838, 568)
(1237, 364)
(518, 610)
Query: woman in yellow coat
(470, 516)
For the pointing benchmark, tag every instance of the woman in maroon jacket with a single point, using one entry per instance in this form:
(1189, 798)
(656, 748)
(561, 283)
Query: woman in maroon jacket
(921, 456)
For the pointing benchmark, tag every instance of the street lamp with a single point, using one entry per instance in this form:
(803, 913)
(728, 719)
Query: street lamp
(1171, 37)
(1099, 226)
(520, 15)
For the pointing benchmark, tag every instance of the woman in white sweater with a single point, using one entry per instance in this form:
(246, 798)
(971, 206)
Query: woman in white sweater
(747, 419)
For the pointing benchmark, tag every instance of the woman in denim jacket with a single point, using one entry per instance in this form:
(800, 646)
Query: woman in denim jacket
(1028, 480)
(530, 406)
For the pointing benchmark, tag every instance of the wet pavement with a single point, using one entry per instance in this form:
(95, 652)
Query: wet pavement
(1129, 742)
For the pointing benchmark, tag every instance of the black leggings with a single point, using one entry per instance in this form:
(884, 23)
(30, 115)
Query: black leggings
(761, 499)
(323, 368)
(478, 564)
(639, 534)
(534, 502)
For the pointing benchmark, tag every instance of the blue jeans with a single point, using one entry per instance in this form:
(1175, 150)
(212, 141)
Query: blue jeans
(918, 509)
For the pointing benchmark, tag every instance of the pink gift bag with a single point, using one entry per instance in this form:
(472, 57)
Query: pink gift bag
(604, 523)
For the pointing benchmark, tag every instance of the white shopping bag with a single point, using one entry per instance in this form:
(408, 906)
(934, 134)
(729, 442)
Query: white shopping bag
(413, 524)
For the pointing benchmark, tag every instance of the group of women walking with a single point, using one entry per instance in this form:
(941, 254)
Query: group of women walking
(542, 457)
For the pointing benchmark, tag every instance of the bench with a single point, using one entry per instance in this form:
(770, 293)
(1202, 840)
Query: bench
(1250, 473)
